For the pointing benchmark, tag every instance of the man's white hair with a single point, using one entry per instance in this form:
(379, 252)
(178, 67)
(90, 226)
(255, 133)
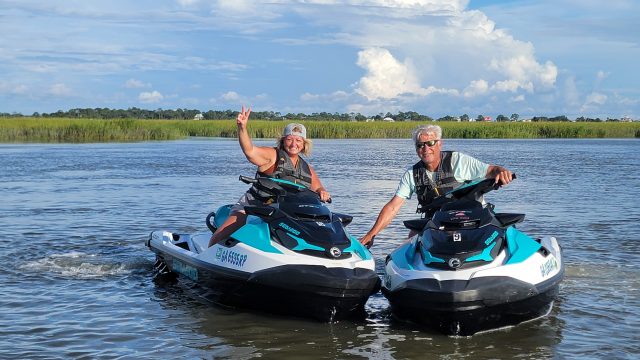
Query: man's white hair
(426, 129)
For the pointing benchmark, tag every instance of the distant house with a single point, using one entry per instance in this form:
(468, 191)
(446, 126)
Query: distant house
(487, 118)
(198, 117)
(388, 119)
(369, 120)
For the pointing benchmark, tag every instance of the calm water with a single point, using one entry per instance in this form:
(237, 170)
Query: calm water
(77, 280)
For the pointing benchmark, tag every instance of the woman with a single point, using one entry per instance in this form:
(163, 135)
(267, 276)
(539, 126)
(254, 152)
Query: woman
(283, 161)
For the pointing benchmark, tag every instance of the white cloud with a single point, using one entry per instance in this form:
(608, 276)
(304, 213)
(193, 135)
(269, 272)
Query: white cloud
(571, 94)
(524, 72)
(519, 98)
(309, 97)
(14, 89)
(425, 5)
(60, 90)
(234, 99)
(230, 96)
(511, 85)
(238, 6)
(374, 55)
(437, 47)
(334, 96)
(475, 88)
(136, 84)
(386, 77)
(188, 2)
(593, 102)
(20, 89)
(150, 97)
(596, 99)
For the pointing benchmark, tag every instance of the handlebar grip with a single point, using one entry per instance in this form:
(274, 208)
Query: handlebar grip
(370, 244)
(247, 180)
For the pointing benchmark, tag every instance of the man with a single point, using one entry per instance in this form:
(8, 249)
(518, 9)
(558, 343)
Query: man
(436, 173)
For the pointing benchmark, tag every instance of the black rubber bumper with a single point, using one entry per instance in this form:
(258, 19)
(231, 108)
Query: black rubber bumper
(458, 307)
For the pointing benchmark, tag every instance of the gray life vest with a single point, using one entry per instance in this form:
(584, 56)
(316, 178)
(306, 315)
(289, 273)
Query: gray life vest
(285, 170)
(443, 181)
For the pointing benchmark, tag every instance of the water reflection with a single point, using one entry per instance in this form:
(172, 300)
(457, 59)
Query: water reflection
(233, 333)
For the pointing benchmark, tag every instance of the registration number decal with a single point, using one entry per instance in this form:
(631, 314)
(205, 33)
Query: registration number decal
(549, 266)
(231, 257)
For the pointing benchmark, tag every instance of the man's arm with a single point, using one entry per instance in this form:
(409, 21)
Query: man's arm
(388, 212)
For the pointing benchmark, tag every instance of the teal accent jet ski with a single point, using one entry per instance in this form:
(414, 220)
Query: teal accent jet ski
(469, 269)
(293, 256)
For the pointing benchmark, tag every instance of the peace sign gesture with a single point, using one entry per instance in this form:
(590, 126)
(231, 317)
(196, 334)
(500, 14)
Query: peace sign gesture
(243, 118)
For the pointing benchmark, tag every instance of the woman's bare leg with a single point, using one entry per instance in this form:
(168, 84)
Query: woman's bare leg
(233, 223)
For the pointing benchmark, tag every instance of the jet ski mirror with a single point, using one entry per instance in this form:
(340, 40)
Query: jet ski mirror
(507, 219)
(344, 219)
(416, 224)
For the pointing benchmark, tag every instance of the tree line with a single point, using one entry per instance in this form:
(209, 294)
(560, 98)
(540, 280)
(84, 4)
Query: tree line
(188, 114)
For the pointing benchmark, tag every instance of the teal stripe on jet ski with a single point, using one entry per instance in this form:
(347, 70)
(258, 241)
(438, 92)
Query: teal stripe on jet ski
(428, 258)
(255, 233)
(485, 255)
(399, 257)
(465, 185)
(303, 245)
(358, 248)
(221, 215)
(520, 246)
(288, 182)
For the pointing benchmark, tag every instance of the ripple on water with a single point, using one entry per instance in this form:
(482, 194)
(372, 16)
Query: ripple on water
(75, 265)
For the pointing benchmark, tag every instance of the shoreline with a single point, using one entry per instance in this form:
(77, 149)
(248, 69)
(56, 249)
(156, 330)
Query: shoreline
(67, 130)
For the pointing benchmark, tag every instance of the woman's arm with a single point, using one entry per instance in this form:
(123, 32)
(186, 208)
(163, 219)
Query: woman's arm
(316, 186)
(262, 156)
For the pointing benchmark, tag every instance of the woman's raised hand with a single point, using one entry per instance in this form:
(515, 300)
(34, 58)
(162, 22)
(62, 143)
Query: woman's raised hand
(243, 117)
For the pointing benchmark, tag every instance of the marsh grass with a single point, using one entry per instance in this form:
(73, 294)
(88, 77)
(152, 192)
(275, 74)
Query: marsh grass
(96, 130)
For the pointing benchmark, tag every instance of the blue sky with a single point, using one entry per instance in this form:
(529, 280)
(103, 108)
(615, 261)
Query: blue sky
(436, 57)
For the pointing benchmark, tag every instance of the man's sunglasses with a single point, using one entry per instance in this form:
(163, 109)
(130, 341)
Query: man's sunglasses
(430, 143)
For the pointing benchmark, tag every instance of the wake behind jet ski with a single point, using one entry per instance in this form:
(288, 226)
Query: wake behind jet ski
(469, 269)
(292, 256)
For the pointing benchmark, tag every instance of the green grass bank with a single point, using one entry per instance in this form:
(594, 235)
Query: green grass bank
(95, 130)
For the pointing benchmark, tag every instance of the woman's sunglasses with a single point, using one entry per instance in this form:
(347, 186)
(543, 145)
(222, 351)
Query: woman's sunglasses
(430, 143)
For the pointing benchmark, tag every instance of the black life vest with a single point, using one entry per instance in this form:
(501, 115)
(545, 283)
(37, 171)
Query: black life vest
(443, 181)
(285, 170)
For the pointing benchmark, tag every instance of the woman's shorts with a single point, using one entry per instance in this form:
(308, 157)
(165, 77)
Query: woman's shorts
(246, 199)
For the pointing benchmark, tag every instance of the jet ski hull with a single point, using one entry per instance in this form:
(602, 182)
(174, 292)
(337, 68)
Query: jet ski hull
(232, 276)
(458, 307)
(469, 269)
(467, 301)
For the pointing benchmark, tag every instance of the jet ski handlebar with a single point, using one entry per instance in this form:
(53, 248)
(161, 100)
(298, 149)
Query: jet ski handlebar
(472, 191)
(480, 187)
(276, 186)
